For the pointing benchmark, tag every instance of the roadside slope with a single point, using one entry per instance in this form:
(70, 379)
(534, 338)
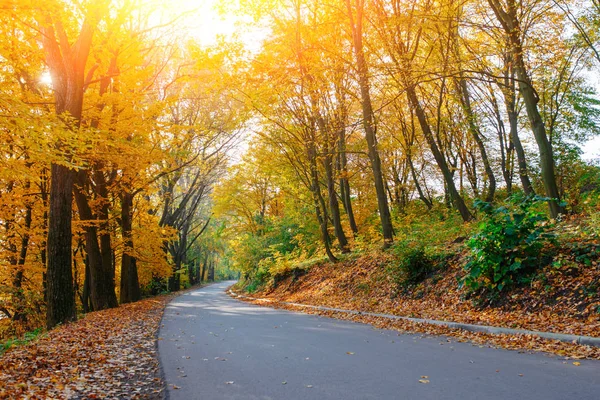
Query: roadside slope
(557, 304)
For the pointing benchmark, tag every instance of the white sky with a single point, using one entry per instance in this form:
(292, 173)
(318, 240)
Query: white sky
(205, 23)
(592, 149)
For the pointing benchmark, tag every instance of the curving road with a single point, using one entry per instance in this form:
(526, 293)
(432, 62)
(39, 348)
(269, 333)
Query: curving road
(214, 347)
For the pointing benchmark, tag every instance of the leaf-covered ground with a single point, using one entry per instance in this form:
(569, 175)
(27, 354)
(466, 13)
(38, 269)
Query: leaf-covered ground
(563, 299)
(109, 354)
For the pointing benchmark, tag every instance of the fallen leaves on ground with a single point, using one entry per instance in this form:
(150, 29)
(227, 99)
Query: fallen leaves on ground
(110, 354)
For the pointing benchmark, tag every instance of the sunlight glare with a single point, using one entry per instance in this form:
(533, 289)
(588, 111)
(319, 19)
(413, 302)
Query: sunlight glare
(46, 78)
(203, 21)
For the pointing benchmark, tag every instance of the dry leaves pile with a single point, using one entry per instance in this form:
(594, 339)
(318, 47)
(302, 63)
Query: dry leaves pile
(109, 354)
(362, 284)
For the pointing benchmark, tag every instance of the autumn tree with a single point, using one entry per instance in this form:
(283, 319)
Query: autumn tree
(403, 45)
(67, 59)
(204, 123)
(508, 16)
(356, 17)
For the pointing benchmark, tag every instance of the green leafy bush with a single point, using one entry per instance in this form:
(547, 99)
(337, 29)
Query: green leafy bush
(414, 264)
(27, 337)
(506, 249)
(258, 279)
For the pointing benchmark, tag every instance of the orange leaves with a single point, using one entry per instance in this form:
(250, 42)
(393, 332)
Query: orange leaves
(109, 353)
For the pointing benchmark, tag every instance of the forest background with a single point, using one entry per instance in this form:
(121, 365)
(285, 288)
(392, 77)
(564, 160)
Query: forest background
(137, 158)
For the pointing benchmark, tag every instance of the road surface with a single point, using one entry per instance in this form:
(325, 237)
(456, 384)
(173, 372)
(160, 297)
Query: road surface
(214, 347)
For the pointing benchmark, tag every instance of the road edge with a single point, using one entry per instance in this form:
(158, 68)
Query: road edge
(161, 371)
(494, 330)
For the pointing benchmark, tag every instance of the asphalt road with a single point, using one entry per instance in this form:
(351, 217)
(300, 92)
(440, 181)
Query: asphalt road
(214, 347)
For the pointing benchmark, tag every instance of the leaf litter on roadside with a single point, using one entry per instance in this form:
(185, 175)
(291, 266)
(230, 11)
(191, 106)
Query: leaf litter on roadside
(110, 354)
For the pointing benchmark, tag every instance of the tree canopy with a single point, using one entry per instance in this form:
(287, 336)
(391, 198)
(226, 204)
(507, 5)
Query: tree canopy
(136, 158)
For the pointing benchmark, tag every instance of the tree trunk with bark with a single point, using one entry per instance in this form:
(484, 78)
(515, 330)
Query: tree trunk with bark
(507, 147)
(320, 207)
(344, 181)
(369, 120)
(453, 194)
(130, 286)
(334, 206)
(510, 22)
(211, 271)
(102, 286)
(510, 102)
(422, 196)
(465, 99)
(203, 270)
(60, 297)
(66, 63)
(85, 293)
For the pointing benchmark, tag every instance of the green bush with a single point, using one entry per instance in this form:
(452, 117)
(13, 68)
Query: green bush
(506, 249)
(414, 264)
(258, 279)
(28, 337)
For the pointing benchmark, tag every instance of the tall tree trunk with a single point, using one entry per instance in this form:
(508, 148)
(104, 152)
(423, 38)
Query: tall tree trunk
(179, 252)
(404, 192)
(174, 281)
(369, 120)
(409, 135)
(106, 250)
(66, 63)
(509, 20)
(342, 157)
(507, 146)
(320, 207)
(510, 103)
(334, 206)
(85, 295)
(453, 194)
(422, 196)
(130, 286)
(60, 299)
(465, 100)
(204, 265)
(344, 181)
(192, 272)
(462, 88)
(211, 271)
(506, 157)
(395, 197)
(102, 287)
(18, 297)
(44, 243)
(331, 193)
(521, 159)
